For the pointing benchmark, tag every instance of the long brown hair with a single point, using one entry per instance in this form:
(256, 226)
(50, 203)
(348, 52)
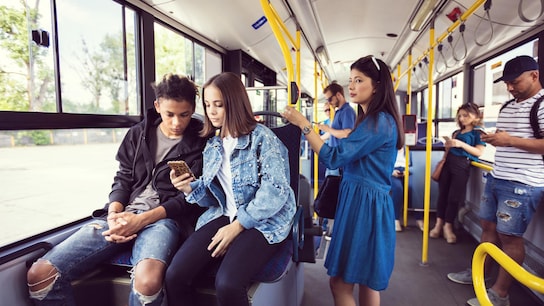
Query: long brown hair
(384, 99)
(239, 119)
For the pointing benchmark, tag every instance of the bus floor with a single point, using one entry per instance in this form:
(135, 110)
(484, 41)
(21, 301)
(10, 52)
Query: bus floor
(414, 284)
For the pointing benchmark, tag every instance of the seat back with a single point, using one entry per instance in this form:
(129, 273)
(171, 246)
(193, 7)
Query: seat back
(290, 135)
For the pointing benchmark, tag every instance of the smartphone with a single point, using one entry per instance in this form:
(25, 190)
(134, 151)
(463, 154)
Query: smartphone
(180, 167)
(481, 130)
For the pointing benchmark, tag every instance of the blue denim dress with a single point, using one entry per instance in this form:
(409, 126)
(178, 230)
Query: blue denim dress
(362, 248)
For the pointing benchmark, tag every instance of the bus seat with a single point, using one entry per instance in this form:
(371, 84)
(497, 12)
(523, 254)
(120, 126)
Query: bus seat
(283, 276)
(418, 177)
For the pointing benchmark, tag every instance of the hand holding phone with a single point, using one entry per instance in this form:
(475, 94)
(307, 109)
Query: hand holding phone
(446, 138)
(180, 167)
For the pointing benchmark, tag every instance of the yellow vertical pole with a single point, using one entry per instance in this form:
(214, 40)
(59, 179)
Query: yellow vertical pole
(297, 47)
(316, 162)
(428, 147)
(407, 149)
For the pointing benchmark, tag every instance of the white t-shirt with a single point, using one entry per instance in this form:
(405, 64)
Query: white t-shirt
(512, 163)
(225, 176)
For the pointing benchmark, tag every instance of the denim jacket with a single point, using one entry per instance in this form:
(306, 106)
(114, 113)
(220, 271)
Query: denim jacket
(260, 182)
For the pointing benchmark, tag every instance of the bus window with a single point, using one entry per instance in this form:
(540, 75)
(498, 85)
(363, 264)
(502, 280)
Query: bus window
(27, 78)
(53, 177)
(173, 53)
(97, 75)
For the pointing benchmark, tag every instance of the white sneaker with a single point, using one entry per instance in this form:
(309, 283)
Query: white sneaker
(398, 227)
(495, 299)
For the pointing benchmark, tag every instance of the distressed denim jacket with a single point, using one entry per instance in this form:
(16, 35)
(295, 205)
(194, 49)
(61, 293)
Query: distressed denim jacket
(260, 182)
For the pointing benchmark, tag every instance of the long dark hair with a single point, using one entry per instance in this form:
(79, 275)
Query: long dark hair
(383, 100)
(239, 119)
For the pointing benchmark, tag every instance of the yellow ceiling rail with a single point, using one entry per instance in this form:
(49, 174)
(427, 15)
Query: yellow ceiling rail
(450, 30)
(277, 26)
(513, 268)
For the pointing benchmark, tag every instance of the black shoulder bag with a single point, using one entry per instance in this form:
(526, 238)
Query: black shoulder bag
(327, 197)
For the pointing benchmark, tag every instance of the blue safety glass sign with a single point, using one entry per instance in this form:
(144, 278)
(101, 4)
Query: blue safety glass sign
(259, 23)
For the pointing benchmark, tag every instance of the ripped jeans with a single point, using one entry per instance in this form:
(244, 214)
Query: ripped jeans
(509, 204)
(84, 250)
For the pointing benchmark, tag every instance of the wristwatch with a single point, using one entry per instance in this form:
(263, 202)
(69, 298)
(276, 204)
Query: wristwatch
(306, 130)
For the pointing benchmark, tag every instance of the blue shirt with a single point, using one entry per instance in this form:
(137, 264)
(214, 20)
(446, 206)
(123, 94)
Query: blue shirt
(471, 138)
(343, 119)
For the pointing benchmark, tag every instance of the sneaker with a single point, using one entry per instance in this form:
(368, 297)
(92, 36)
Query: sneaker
(495, 299)
(398, 227)
(463, 277)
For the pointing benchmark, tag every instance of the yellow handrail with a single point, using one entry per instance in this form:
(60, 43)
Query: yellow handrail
(277, 26)
(444, 35)
(482, 166)
(507, 263)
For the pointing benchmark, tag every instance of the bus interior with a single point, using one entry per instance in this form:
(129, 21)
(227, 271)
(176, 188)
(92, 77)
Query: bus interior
(76, 75)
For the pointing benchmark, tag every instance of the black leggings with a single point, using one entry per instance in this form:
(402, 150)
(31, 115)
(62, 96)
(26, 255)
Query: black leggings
(452, 187)
(246, 256)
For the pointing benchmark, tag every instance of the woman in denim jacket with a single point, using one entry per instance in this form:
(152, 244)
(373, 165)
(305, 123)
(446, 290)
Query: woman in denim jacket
(245, 186)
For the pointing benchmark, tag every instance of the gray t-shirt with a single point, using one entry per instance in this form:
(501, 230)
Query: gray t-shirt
(149, 198)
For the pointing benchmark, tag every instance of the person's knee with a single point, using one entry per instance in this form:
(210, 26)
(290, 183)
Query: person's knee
(148, 276)
(40, 278)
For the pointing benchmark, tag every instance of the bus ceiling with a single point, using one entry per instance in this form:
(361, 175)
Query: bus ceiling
(349, 29)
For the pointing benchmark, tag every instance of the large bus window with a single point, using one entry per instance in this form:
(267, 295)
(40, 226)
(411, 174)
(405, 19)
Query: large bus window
(52, 177)
(97, 58)
(27, 80)
(173, 53)
(450, 96)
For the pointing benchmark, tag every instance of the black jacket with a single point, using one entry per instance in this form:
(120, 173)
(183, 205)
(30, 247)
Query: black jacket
(136, 169)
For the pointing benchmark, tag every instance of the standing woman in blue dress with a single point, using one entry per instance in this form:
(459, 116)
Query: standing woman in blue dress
(362, 248)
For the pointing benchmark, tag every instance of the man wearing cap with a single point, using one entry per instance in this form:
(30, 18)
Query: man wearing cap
(515, 186)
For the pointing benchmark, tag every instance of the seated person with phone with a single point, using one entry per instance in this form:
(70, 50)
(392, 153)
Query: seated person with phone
(145, 213)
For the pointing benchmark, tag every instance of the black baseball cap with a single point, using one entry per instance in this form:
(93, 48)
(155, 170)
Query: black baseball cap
(516, 66)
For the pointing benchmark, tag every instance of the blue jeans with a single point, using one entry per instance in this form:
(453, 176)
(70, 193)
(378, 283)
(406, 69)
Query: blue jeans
(87, 248)
(509, 204)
